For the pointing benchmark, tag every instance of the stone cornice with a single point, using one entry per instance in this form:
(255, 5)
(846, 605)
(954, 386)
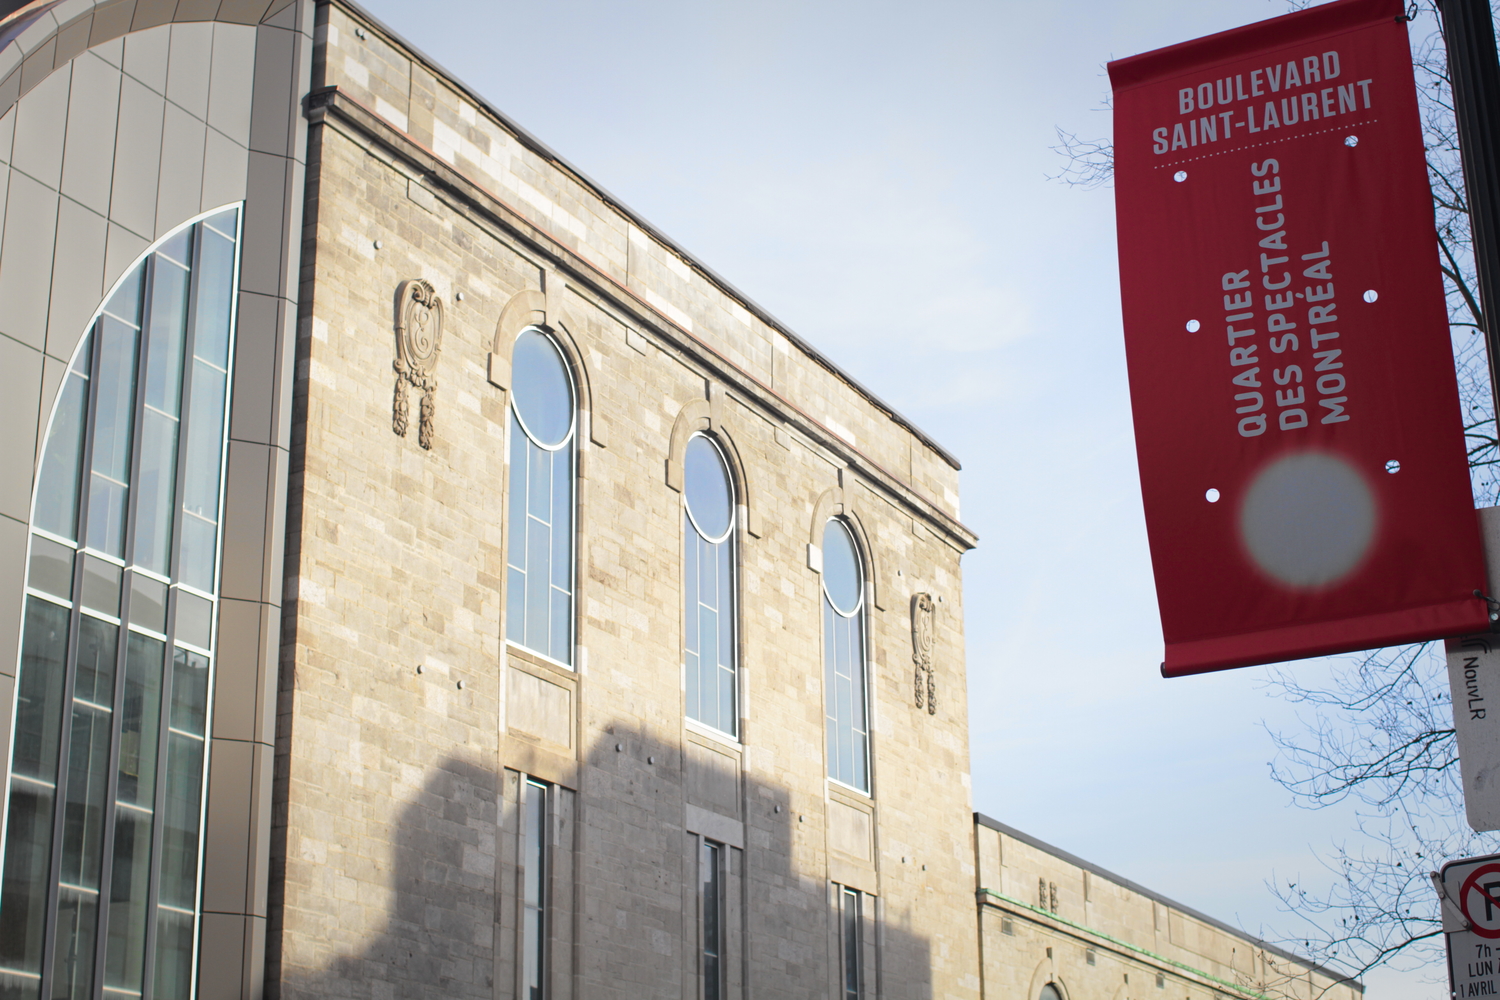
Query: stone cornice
(336, 108)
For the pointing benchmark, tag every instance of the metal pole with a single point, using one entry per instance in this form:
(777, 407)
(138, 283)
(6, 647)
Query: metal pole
(1469, 33)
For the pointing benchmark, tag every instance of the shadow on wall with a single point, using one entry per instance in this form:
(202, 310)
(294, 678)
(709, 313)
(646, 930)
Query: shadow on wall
(624, 911)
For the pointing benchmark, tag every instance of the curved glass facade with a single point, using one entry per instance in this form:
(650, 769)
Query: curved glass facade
(100, 886)
(539, 542)
(708, 586)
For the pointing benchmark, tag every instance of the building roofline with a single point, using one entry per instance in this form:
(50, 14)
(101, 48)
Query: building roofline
(1089, 866)
(636, 219)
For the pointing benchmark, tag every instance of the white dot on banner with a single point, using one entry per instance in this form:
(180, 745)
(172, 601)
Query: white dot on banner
(1193, 326)
(1180, 176)
(1212, 496)
(1371, 295)
(1352, 140)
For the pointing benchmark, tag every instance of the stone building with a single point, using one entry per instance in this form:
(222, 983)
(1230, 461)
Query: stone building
(1047, 918)
(430, 579)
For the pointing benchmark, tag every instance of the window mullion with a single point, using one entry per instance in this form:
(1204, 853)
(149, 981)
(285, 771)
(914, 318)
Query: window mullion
(65, 727)
(122, 639)
(169, 675)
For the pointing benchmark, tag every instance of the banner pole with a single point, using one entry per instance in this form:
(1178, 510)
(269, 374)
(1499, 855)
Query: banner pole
(1474, 69)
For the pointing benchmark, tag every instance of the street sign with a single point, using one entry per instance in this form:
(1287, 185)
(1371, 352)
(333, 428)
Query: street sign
(1474, 679)
(1470, 891)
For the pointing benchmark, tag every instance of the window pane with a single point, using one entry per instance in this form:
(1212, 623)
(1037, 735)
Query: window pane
(706, 487)
(725, 603)
(28, 841)
(694, 687)
(113, 408)
(57, 484)
(140, 725)
(200, 491)
(851, 929)
(562, 607)
(158, 482)
(140, 721)
(515, 603)
(711, 903)
(541, 390)
(539, 499)
(84, 810)
(148, 602)
(215, 295)
(51, 567)
(190, 693)
(727, 719)
(842, 581)
(101, 586)
(125, 949)
(561, 518)
(692, 552)
(179, 856)
(77, 927)
(178, 247)
(534, 890)
(174, 955)
(518, 493)
(165, 331)
(537, 571)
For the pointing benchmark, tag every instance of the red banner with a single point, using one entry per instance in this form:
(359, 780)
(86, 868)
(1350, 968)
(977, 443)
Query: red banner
(1296, 413)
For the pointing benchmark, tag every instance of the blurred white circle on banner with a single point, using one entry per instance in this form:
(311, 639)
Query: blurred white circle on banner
(1308, 519)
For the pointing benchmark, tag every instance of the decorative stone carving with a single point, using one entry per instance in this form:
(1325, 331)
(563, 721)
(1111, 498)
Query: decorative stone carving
(419, 337)
(923, 682)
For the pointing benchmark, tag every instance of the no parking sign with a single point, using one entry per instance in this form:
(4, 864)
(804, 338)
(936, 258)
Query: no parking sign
(1470, 890)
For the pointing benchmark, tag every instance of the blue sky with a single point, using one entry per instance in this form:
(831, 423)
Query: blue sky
(875, 175)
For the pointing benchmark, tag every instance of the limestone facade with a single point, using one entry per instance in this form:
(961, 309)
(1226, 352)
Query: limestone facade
(1047, 917)
(377, 746)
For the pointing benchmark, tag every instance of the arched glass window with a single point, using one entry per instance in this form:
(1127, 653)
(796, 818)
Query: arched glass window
(101, 871)
(708, 586)
(543, 428)
(1049, 992)
(844, 658)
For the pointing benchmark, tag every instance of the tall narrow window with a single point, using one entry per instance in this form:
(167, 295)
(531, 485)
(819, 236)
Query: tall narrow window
(708, 586)
(711, 902)
(539, 582)
(534, 891)
(844, 659)
(850, 931)
(100, 886)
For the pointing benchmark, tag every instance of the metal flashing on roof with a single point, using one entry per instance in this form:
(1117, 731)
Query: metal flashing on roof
(1136, 887)
(546, 152)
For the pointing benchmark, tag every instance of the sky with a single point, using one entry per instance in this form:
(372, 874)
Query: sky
(876, 175)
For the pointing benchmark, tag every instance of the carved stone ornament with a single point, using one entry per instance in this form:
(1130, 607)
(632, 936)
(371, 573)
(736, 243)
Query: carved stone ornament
(924, 683)
(419, 337)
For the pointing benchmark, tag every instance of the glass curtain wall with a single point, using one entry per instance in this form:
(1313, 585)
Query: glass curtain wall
(539, 549)
(100, 883)
(708, 586)
(844, 659)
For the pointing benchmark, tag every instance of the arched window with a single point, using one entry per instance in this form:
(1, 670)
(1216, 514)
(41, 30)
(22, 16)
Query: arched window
(1050, 992)
(543, 428)
(101, 870)
(709, 586)
(844, 658)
